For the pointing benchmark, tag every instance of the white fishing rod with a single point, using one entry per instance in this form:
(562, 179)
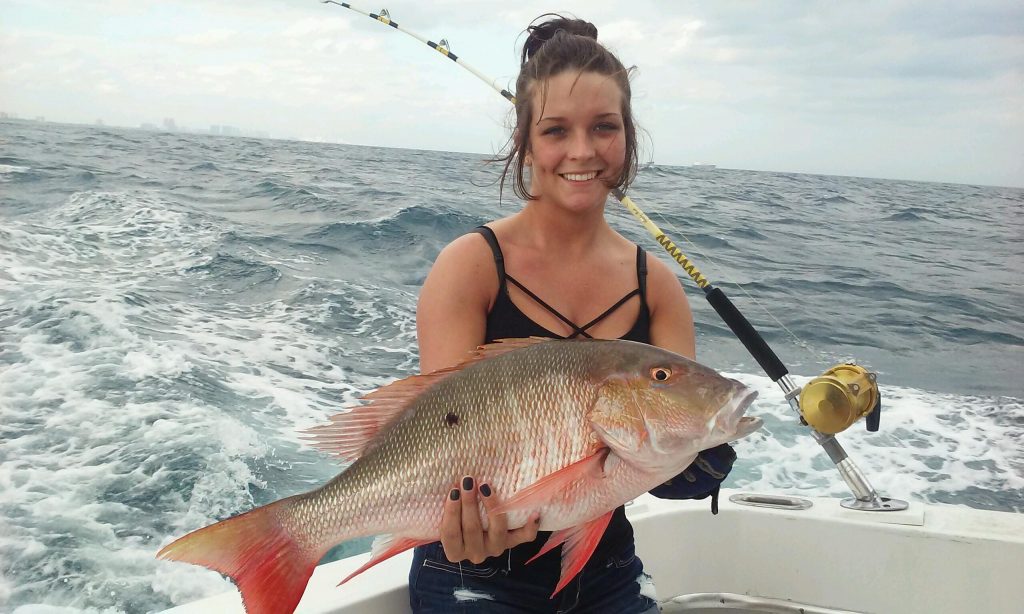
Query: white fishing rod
(828, 404)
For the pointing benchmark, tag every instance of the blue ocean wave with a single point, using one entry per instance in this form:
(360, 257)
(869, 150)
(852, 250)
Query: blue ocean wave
(235, 273)
(176, 307)
(405, 228)
(909, 214)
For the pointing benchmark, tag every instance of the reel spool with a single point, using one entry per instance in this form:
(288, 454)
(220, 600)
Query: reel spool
(832, 402)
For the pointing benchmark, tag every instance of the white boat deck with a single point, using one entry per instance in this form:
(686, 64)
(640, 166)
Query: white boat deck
(929, 559)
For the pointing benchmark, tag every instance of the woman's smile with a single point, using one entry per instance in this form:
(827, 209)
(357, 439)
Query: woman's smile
(580, 177)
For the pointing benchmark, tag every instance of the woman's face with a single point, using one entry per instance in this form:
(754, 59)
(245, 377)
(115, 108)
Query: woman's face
(577, 140)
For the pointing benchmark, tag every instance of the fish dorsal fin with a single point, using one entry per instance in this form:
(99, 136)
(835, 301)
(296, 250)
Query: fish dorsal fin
(501, 346)
(348, 434)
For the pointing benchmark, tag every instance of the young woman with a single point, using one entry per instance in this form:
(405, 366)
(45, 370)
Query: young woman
(554, 269)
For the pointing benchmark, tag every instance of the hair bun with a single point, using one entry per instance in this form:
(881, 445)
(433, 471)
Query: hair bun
(540, 33)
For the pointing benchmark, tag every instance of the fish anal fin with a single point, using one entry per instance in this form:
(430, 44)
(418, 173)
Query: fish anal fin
(578, 544)
(347, 435)
(384, 547)
(551, 486)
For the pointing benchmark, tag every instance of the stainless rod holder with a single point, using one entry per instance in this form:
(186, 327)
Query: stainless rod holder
(865, 498)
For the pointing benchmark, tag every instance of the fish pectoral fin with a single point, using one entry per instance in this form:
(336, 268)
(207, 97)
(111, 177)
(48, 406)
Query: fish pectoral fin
(549, 487)
(579, 544)
(384, 547)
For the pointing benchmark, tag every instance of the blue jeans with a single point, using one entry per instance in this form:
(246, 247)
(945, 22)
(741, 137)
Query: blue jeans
(610, 584)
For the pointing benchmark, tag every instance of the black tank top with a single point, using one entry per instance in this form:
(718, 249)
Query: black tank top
(506, 321)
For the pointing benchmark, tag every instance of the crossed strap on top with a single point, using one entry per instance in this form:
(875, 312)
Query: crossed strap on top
(499, 260)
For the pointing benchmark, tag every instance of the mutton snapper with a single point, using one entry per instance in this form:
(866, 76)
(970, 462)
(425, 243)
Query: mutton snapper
(571, 429)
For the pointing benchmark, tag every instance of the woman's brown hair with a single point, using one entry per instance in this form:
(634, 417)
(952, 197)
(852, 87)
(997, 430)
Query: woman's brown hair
(552, 47)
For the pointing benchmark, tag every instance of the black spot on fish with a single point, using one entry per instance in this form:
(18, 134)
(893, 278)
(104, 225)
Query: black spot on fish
(452, 419)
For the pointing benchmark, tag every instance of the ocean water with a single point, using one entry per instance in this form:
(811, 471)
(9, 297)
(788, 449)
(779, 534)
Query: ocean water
(175, 308)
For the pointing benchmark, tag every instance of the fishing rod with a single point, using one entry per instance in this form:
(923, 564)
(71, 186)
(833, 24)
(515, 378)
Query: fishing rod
(828, 404)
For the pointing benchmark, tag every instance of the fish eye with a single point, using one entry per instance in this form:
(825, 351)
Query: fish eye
(661, 374)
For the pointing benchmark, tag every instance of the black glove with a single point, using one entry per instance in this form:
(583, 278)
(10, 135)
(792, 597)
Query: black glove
(702, 479)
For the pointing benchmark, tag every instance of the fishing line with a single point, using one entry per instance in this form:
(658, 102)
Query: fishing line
(812, 350)
(837, 378)
(736, 321)
(442, 47)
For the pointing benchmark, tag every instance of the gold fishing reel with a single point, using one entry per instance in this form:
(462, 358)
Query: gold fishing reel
(832, 402)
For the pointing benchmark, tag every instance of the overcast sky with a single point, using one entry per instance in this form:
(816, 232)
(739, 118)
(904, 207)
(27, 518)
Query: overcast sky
(930, 90)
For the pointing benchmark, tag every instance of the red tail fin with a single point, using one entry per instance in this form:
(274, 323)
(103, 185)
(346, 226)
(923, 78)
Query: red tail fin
(269, 567)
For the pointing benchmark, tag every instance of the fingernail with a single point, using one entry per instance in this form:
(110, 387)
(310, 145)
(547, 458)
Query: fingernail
(467, 483)
(485, 490)
(454, 494)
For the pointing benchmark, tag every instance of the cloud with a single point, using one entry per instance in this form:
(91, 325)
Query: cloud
(657, 43)
(785, 85)
(210, 38)
(108, 87)
(310, 26)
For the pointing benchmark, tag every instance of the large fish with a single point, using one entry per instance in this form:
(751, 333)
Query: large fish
(569, 429)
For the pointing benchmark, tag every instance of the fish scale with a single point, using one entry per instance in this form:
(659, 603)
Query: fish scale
(570, 429)
(434, 456)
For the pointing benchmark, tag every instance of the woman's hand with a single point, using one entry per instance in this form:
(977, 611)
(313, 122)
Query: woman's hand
(462, 533)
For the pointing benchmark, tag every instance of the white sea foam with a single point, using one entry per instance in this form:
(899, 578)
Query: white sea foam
(929, 446)
(117, 399)
(6, 172)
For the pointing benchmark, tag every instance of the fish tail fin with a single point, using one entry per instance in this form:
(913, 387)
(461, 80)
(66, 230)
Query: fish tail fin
(269, 566)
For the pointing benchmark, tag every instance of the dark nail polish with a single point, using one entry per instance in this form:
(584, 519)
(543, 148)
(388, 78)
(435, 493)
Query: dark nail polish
(485, 490)
(454, 494)
(467, 483)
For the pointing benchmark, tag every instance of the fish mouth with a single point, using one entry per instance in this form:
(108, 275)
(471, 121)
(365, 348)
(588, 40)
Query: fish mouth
(747, 425)
(731, 421)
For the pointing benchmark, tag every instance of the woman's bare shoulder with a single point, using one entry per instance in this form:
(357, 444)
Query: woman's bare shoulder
(468, 254)
(464, 270)
(451, 314)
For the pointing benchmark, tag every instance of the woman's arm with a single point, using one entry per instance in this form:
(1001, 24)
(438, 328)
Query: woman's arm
(451, 321)
(451, 316)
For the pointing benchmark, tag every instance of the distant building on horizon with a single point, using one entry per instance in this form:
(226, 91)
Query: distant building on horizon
(170, 124)
(225, 130)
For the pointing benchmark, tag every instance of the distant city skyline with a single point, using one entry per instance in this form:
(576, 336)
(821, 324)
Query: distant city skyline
(167, 124)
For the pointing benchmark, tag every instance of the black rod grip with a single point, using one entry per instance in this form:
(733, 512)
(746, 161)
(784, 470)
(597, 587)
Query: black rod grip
(747, 334)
